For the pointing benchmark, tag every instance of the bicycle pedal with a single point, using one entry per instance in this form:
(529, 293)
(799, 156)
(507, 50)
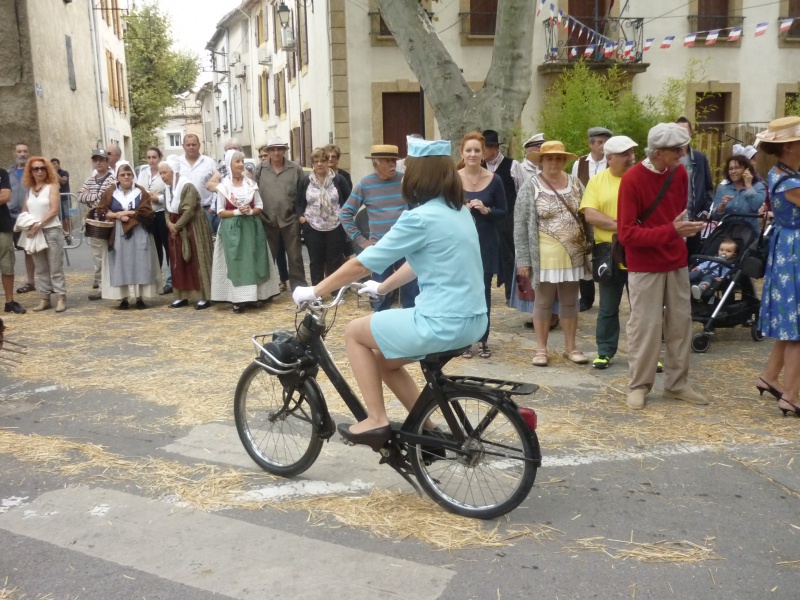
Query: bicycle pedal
(346, 442)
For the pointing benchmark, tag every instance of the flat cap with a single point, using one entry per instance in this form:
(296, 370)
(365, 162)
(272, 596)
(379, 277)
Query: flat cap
(534, 140)
(667, 135)
(618, 144)
(596, 131)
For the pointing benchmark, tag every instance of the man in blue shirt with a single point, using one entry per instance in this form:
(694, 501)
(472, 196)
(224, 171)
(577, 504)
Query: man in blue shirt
(18, 193)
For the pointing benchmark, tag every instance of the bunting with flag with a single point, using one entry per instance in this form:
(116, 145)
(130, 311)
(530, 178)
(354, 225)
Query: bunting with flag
(588, 51)
(541, 6)
(786, 25)
(667, 43)
(647, 44)
(712, 37)
(761, 29)
(573, 52)
(734, 34)
(552, 13)
(689, 39)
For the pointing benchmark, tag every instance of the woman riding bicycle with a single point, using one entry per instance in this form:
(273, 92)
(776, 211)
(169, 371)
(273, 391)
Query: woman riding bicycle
(440, 244)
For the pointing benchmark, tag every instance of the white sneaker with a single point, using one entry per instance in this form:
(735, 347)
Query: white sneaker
(697, 292)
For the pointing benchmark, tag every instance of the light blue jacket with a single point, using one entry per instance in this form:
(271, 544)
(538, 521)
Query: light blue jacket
(744, 201)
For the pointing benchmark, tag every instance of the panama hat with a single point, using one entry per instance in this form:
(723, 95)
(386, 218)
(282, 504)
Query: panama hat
(785, 129)
(551, 148)
(384, 151)
(277, 142)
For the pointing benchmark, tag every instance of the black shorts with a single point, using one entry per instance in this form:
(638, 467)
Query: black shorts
(16, 240)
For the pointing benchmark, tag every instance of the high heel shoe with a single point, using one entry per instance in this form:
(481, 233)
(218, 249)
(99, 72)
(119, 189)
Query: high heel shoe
(763, 386)
(792, 407)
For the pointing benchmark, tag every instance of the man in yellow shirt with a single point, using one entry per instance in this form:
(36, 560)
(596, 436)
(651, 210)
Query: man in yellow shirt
(599, 206)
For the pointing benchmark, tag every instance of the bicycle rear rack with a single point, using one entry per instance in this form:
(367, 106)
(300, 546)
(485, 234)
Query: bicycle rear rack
(512, 388)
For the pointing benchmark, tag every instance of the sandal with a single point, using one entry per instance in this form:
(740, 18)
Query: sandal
(485, 352)
(576, 356)
(540, 359)
(467, 353)
(28, 287)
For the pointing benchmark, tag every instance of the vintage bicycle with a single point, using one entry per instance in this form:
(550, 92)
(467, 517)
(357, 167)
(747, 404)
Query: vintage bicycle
(466, 442)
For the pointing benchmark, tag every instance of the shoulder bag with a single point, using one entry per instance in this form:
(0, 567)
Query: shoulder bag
(586, 229)
(617, 249)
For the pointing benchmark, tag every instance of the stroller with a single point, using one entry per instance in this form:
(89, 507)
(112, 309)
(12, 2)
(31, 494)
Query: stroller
(734, 301)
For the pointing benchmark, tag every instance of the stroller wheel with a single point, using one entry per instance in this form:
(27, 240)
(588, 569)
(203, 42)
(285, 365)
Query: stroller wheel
(700, 342)
(755, 332)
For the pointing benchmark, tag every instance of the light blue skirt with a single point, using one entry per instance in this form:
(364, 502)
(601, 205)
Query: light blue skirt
(404, 333)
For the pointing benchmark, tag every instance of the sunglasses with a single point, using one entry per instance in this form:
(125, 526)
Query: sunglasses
(38, 168)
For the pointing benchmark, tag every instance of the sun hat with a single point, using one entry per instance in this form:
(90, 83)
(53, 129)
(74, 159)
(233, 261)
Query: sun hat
(746, 151)
(418, 147)
(667, 135)
(780, 131)
(535, 140)
(618, 144)
(595, 131)
(277, 142)
(551, 148)
(384, 151)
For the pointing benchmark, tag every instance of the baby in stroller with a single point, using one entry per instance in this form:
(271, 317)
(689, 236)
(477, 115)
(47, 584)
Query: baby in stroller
(706, 276)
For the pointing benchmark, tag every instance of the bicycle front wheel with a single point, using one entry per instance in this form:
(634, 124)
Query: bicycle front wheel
(494, 473)
(278, 426)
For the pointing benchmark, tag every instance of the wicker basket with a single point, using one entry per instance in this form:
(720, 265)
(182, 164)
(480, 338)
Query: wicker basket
(100, 230)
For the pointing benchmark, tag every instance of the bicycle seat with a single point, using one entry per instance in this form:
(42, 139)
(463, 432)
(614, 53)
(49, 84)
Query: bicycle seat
(438, 357)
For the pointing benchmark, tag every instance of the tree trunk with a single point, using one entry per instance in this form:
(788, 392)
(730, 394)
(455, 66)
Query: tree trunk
(458, 109)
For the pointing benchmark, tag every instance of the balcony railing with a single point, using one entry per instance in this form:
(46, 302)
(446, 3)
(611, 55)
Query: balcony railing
(378, 26)
(702, 24)
(794, 31)
(478, 23)
(626, 35)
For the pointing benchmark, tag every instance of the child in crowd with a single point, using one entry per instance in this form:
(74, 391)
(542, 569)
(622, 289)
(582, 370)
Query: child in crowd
(703, 276)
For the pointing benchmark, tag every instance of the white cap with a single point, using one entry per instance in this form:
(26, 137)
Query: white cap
(618, 144)
(667, 135)
(748, 151)
(534, 140)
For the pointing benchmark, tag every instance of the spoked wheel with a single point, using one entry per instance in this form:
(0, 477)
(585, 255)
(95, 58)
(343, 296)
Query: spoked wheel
(700, 342)
(277, 426)
(488, 479)
(755, 332)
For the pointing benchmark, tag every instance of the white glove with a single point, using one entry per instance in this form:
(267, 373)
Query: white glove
(304, 294)
(370, 288)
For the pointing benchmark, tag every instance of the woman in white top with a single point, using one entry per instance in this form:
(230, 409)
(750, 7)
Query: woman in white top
(130, 267)
(242, 267)
(150, 180)
(44, 203)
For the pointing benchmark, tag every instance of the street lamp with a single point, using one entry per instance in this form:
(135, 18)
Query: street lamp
(284, 13)
(217, 93)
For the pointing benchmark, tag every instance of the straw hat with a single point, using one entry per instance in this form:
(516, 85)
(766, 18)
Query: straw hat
(780, 131)
(551, 148)
(384, 151)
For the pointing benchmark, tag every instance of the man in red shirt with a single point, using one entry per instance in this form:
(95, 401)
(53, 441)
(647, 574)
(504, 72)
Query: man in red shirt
(657, 259)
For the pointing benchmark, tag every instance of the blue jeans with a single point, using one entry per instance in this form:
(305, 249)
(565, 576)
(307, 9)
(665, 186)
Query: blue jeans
(408, 292)
(213, 220)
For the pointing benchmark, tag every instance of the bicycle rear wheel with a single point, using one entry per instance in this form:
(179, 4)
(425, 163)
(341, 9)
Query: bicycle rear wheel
(278, 426)
(492, 477)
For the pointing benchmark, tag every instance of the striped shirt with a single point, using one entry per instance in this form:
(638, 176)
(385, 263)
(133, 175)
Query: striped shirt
(383, 202)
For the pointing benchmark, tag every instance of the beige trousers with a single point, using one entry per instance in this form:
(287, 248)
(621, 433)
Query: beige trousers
(49, 264)
(654, 295)
(98, 247)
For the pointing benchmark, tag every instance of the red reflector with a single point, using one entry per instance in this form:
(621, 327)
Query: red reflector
(530, 417)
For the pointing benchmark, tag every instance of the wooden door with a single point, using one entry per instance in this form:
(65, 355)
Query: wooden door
(584, 11)
(712, 14)
(401, 117)
(482, 17)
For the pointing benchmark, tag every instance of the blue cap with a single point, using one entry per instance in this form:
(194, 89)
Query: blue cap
(418, 148)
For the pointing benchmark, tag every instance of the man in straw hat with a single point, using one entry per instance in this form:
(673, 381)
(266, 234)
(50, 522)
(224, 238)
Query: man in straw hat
(380, 195)
(90, 194)
(651, 225)
(599, 206)
(277, 180)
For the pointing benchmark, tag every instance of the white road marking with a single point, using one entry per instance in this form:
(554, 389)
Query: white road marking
(219, 554)
(8, 503)
(618, 455)
(305, 488)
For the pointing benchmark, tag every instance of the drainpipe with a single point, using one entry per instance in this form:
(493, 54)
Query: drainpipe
(249, 82)
(98, 80)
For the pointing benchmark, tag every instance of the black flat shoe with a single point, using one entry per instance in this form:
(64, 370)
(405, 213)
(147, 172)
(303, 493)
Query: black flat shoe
(123, 305)
(14, 307)
(202, 304)
(238, 308)
(140, 304)
(374, 438)
(167, 290)
(179, 303)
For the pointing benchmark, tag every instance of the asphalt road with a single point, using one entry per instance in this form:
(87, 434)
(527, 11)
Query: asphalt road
(123, 476)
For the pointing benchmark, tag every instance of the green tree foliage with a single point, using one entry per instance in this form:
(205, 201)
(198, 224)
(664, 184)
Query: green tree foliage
(156, 73)
(582, 98)
(793, 105)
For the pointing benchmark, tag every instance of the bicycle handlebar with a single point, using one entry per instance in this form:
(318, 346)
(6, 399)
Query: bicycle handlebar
(318, 307)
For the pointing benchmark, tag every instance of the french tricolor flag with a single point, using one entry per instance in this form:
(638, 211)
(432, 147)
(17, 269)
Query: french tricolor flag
(628, 48)
(712, 37)
(786, 25)
(608, 50)
(761, 29)
(589, 51)
(647, 44)
(734, 34)
(667, 43)
(541, 6)
(690, 38)
(552, 14)
(574, 52)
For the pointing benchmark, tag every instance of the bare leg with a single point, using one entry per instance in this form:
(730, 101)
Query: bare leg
(8, 287)
(570, 327)
(772, 370)
(399, 380)
(361, 347)
(791, 372)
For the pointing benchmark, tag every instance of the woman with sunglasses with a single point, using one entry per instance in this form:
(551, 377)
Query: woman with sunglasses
(43, 203)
